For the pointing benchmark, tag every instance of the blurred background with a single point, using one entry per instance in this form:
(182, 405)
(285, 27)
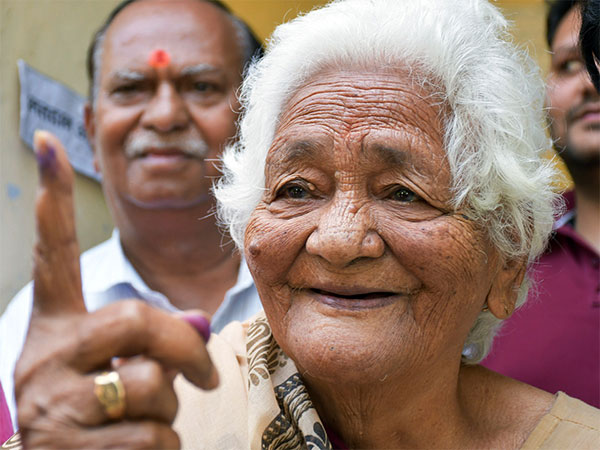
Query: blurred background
(52, 36)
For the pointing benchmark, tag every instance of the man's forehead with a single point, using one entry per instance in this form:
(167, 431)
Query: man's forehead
(567, 32)
(191, 32)
(177, 23)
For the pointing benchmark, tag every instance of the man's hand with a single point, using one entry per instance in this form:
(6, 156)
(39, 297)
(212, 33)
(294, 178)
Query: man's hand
(67, 348)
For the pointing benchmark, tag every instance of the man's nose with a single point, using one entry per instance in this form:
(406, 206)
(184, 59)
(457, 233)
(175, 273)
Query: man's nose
(587, 86)
(345, 233)
(166, 111)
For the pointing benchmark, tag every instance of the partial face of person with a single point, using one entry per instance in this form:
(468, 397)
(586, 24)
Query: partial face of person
(362, 266)
(574, 105)
(166, 103)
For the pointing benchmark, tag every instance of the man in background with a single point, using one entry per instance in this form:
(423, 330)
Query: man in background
(589, 39)
(163, 82)
(553, 342)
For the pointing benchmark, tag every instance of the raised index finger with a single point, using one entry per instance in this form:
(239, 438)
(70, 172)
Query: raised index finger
(56, 274)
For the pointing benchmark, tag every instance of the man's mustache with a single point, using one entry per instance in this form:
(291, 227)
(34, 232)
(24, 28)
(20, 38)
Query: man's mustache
(191, 144)
(577, 111)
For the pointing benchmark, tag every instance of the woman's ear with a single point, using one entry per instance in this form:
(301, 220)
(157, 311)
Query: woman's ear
(503, 293)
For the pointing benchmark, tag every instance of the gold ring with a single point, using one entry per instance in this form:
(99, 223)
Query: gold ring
(110, 392)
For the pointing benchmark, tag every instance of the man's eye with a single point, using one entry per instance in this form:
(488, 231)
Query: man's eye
(571, 66)
(126, 89)
(403, 194)
(201, 86)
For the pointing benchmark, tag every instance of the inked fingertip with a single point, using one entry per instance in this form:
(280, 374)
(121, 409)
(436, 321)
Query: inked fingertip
(45, 152)
(39, 139)
(200, 323)
(46, 158)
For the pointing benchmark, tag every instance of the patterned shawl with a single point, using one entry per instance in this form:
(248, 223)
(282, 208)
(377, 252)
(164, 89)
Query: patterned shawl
(279, 397)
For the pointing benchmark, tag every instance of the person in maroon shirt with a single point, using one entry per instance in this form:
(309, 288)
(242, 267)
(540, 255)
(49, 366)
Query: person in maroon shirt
(553, 342)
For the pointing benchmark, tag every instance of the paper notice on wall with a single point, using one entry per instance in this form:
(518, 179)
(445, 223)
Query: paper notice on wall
(49, 105)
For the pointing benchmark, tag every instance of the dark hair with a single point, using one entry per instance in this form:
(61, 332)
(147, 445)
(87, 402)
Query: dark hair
(589, 39)
(556, 12)
(252, 46)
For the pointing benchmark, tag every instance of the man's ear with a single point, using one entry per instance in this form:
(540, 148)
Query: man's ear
(90, 130)
(505, 288)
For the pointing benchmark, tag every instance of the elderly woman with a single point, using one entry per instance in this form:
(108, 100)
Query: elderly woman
(388, 193)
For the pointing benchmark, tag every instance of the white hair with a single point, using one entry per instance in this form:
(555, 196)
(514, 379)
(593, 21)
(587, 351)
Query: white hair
(459, 49)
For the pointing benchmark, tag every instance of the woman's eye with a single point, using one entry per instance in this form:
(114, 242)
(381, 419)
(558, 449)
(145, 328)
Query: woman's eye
(296, 192)
(403, 194)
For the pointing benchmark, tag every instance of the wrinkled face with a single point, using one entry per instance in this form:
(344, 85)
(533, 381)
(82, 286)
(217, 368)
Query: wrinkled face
(157, 128)
(361, 264)
(574, 105)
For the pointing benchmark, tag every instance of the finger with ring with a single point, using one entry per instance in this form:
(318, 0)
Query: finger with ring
(110, 392)
(149, 388)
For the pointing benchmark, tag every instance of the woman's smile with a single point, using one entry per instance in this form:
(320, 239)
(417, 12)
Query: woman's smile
(354, 299)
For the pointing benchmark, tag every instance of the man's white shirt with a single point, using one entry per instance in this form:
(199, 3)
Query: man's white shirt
(107, 276)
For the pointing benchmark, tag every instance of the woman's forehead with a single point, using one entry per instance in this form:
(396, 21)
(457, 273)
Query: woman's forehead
(384, 97)
(362, 107)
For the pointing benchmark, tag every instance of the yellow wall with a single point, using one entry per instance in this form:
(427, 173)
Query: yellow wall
(52, 36)
(528, 18)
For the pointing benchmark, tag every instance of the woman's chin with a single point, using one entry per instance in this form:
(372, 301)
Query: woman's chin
(347, 349)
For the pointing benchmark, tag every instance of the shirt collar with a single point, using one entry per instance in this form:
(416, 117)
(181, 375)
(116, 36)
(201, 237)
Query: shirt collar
(106, 267)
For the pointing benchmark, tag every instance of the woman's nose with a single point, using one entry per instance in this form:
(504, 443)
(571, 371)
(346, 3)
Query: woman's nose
(167, 111)
(345, 234)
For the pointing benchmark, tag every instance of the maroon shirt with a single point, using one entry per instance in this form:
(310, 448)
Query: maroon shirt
(6, 429)
(553, 342)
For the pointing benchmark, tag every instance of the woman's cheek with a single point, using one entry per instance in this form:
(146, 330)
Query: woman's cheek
(271, 246)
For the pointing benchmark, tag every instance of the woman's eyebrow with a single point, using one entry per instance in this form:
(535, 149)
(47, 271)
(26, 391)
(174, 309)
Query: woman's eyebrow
(304, 149)
(390, 155)
(307, 150)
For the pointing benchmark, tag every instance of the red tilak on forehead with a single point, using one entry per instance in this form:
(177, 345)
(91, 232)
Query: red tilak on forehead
(159, 58)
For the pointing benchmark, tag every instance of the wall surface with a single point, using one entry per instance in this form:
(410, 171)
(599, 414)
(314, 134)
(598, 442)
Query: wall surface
(52, 36)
